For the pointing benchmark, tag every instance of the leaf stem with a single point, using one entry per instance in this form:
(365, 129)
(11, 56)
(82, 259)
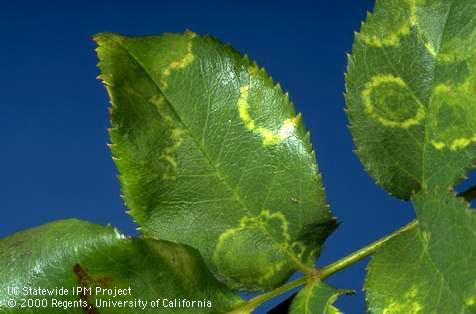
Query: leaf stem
(364, 252)
(320, 274)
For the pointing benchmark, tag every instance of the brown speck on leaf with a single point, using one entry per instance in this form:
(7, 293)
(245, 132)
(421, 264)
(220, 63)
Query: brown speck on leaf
(85, 281)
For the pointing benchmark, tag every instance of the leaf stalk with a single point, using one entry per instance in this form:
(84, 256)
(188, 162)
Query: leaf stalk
(365, 251)
(323, 273)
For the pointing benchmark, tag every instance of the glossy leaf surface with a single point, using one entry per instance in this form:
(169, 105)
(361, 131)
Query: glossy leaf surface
(211, 154)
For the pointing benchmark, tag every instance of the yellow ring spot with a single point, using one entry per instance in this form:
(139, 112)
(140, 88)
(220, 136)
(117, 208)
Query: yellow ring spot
(249, 229)
(369, 107)
(268, 136)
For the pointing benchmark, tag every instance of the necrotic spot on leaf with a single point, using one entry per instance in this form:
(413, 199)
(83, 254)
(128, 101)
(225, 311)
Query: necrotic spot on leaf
(85, 281)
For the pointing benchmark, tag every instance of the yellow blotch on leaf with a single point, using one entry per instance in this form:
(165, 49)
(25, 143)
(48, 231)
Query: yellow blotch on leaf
(407, 305)
(168, 154)
(385, 30)
(470, 301)
(457, 98)
(182, 63)
(243, 108)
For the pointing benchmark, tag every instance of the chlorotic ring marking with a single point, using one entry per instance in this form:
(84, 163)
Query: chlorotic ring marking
(369, 107)
(182, 63)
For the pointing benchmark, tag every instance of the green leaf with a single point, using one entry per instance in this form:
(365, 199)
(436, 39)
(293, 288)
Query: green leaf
(211, 154)
(430, 269)
(449, 226)
(71, 253)
(411, 93)
(317, 297)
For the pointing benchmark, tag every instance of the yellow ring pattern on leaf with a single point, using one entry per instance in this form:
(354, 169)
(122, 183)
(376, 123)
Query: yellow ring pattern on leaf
(268, 136)
(186, 60)
(385, 81)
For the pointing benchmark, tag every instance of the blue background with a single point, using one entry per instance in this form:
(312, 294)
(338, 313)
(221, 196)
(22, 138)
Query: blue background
(53, 112)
